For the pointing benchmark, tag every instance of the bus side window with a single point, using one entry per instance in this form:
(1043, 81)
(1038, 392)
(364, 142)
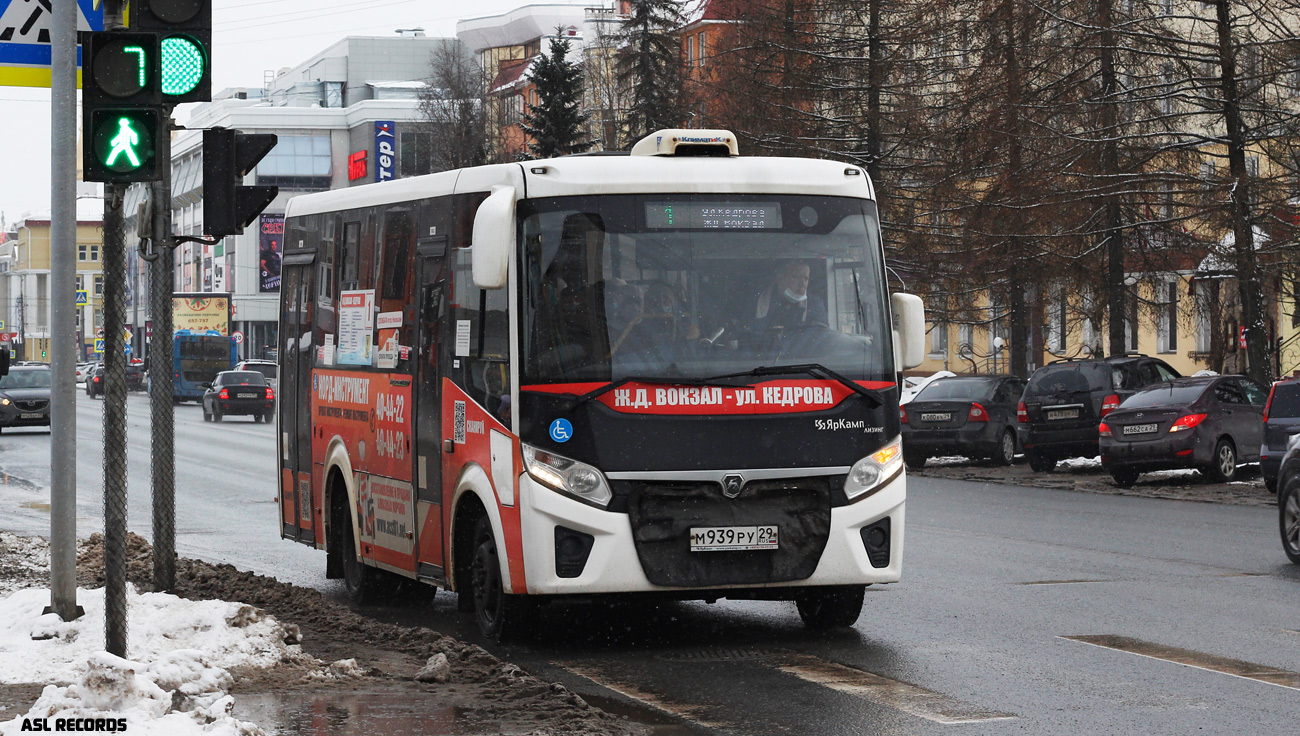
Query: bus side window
(351, 255)
(484, 374)
(399, 237)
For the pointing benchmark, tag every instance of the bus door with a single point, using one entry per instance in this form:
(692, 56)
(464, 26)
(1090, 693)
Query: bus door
(429, 287)
(296, 359)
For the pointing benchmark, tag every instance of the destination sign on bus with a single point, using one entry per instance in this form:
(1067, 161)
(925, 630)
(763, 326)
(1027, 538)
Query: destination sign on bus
(713, 215)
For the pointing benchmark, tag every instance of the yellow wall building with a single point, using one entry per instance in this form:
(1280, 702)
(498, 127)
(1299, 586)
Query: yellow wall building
(26, 288)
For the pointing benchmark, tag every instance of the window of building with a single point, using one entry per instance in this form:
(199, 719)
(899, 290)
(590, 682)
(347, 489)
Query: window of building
(82, 251)
(699, 48)
(1207, 173)
(334, 94)
(1057, 316)
(297, 162)
(415, 154)
(939, 339)
(1167, 80)
(690, 51)
(99, 285)
(1131, 329)
(1168, 324)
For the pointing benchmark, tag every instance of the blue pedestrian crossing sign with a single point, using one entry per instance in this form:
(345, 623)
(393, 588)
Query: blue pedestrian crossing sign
(83, 295)
(99, 345)
(25, 39)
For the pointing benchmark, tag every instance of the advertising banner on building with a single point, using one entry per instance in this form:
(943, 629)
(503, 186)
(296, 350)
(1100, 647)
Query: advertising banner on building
(385, 150)
(271, 234)
(201, 312)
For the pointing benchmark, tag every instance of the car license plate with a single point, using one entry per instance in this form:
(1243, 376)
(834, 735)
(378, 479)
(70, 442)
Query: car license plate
(732, 538)
(247, 396)
(936, 417)
(33, 415)
(1063, 414)
(1141, 428)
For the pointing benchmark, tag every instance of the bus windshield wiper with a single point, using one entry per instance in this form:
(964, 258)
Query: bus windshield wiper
(817, 370)
(664, 380)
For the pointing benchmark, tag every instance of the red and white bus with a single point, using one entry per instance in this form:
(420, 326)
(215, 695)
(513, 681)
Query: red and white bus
(670, 373)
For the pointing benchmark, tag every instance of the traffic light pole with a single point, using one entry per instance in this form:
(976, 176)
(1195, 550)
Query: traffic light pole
(114, 267)
(161, 371)
(63, 241)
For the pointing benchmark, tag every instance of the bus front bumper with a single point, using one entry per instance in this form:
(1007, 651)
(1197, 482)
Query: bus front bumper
(611, 564)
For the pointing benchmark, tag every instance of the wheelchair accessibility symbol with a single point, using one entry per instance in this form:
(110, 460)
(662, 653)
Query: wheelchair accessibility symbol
(561, 430)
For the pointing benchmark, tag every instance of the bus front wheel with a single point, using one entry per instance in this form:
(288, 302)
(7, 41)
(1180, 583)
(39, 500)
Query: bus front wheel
(359, 579)
(500, 616)
(830, 608)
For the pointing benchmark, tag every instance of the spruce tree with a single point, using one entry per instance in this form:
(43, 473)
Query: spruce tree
(555, 122)
(650, 66)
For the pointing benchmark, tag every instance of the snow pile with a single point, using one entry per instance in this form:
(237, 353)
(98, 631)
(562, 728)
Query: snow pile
(22, 561)
(1082, 463)
(176, 681)
(912, 385)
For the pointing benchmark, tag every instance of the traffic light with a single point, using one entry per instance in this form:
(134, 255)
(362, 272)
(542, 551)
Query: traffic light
(184, 32)
(228, 156)
(121, 114)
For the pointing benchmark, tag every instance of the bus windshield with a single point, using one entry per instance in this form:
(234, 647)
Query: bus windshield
(693, 286)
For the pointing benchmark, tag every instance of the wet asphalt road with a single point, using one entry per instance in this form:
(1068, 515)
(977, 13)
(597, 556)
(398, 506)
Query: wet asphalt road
(973, 641)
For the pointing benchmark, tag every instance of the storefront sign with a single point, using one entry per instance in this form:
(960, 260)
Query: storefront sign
(385, 150)
(357, 166)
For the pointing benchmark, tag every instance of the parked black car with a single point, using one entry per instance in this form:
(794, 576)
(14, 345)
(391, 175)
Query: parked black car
(973, 416)
(25, 397)
(239, 392)
(1281, 422)
(134, 379)
(1066, 399)
(1213, 424)
(1288, 501)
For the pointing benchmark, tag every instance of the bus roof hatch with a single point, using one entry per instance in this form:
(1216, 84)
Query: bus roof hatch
(686, 142)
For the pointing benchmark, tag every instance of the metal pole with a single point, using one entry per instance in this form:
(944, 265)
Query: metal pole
(114, 267)
(114, 264)
(160, 378)
(63, 277)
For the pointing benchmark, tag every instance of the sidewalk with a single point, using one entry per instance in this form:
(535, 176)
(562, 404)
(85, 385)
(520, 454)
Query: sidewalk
(229, 636)
(1086, 475)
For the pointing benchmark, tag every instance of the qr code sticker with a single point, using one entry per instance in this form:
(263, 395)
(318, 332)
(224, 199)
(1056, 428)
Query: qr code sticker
(458, 428)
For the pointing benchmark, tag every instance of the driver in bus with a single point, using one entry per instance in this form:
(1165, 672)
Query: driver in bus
(786, 303)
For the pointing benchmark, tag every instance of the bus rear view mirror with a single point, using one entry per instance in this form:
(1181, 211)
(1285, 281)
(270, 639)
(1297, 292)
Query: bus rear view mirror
(909, 330)
(494, 238)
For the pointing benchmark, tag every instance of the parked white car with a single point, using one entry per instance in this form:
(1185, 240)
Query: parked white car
(912, 385)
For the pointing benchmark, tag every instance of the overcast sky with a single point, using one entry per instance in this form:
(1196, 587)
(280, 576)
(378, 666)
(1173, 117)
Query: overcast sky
(249, 37)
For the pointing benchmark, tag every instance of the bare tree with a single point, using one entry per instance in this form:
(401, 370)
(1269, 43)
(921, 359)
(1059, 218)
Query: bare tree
(452, 110)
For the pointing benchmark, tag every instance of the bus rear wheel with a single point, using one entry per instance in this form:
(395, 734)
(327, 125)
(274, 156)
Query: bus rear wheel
(500, 616)
(830, 608)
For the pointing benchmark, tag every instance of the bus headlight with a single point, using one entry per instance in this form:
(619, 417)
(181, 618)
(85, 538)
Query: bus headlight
(567, 476)
(874, 470)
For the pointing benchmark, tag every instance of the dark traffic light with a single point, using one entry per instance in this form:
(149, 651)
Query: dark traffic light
(184, 30)
(228, 156)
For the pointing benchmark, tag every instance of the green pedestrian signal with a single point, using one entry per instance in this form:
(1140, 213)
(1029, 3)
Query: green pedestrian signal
(123, 145)
(184, 66)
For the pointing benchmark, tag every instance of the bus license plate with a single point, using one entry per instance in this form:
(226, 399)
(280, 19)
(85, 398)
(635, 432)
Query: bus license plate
(247, 396)
(1063, 414)
(34, 415)
(1141, 428)
(732, 538)
(936, 417)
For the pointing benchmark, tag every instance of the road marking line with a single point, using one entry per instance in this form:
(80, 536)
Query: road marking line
(902, 696)
(685, 711)
(1061, 582)
(1191, 658)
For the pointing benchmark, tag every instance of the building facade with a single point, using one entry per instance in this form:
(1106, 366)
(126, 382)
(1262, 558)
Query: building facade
(349, 116)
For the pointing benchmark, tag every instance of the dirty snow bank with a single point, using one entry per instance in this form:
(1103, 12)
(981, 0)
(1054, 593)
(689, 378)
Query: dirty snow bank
(177, 679)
